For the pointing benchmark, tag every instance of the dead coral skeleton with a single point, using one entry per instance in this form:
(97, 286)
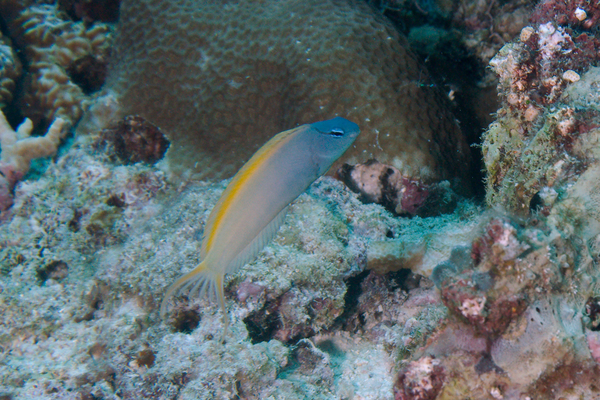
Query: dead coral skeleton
(18, 149)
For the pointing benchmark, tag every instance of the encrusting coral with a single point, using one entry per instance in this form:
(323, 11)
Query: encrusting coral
(519, 317)
(220, 81)
(18, 149)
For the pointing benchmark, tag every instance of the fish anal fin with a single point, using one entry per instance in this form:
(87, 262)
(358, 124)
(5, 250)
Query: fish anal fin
(258, 243)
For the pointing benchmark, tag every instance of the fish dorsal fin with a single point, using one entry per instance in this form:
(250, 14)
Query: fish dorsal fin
(258, 243)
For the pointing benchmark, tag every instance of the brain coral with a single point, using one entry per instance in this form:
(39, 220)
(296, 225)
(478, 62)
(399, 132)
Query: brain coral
(221, 78)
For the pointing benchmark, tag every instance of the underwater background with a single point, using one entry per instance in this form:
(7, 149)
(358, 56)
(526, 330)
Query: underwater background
(451, 253)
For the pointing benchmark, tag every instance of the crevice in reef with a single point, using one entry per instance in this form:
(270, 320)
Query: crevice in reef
(353, 292)
(263, 324)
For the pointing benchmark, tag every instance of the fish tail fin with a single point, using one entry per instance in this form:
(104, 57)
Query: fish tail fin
(206, 282)
(199, 276)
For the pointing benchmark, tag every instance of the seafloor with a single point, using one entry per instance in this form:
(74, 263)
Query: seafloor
(459, 265)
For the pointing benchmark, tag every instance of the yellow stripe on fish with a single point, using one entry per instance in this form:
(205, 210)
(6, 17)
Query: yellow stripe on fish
(253, 206)
(243, 177)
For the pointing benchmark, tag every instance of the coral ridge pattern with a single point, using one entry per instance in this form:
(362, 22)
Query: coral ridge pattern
(220, 80)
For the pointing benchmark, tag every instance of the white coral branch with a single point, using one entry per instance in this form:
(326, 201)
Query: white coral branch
(18, 148)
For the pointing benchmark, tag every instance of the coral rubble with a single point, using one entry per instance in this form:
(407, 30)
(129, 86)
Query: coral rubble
(113, 237)
(219, 81)
(385, 185)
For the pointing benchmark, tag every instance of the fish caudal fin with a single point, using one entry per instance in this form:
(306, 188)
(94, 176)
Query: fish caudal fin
(202, 281)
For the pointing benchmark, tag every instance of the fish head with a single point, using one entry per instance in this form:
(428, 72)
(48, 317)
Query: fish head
(330, 139)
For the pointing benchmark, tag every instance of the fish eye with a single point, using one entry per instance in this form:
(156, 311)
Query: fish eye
(336, 132)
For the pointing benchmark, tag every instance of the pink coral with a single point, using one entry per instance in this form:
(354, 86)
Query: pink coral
(421, 380)
(579, 14)
(593, 341)
(399, 193)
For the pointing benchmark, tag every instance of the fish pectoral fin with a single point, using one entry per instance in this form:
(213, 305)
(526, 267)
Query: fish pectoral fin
(258, 243)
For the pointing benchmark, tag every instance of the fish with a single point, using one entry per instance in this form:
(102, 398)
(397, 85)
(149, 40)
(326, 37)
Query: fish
(253, 206)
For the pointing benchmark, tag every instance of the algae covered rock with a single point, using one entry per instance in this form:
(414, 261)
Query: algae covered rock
(541, 159)
(85, 307)
(543, 137)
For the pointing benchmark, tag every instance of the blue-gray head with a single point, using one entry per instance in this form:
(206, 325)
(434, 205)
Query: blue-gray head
(330, 139)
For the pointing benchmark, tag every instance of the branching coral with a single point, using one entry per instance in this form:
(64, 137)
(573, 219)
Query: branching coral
(18, 149)
(10, 71)
(66, 60)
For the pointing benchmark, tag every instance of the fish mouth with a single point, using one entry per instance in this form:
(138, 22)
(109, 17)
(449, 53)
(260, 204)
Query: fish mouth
(353, 134)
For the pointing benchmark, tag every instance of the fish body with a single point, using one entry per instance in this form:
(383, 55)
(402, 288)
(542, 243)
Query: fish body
(252, 207)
